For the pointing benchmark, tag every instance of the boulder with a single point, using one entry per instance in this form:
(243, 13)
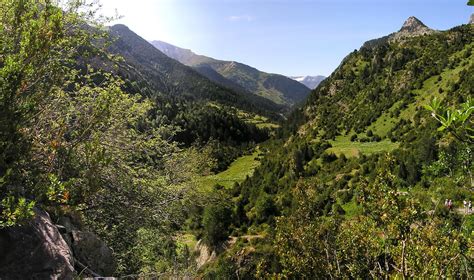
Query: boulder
(93, 253)
(35, 251)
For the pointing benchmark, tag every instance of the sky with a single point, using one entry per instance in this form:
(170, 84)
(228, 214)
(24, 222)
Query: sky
(289, 37)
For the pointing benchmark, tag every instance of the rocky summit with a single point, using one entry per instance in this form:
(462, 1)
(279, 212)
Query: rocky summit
(412, 27)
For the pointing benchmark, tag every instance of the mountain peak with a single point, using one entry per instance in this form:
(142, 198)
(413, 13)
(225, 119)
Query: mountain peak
(120, 26)
(413, 25)
(411, 28)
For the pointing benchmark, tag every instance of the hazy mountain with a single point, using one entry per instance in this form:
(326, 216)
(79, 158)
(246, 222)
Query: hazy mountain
(277, 88)
(310, 81)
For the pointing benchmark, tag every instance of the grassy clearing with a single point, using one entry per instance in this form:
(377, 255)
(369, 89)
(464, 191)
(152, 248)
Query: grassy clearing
(431, 86)
(385, 122)
(343, 145)
(259, 121)
(236, 173)
(186, 239)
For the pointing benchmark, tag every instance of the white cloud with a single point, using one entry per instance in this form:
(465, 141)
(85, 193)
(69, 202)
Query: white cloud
(241, 18)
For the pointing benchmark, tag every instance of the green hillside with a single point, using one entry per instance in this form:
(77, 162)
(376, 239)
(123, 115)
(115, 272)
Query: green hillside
(359, 177)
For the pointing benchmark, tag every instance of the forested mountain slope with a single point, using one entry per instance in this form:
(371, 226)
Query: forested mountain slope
(356, 183)
(278, 88)
(148, 70)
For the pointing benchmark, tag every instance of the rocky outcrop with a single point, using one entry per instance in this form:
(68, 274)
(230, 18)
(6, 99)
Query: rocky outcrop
(411, 28)
(414, 26)
(43, 250)
(206, 254)
(92, 252)
(471, 20)
(35, 251)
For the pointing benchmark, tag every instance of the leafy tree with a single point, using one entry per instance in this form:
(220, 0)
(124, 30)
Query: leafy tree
(38, 39)
(216, 221)
(71, 140)
(459, 122)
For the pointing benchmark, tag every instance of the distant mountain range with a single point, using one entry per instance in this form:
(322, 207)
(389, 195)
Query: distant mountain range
(240, 77)
(311, 82)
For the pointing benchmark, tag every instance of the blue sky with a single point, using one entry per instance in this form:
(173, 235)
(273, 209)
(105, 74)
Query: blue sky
(290, 37)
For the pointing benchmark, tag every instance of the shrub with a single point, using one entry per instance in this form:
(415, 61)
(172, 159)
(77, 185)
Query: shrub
(216, 221)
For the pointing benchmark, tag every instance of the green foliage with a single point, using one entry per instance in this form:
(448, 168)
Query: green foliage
(216, 221)
(72, 140)
(393, 237)
(34, 48)
(459, 122)
(202, 123)
(223, 269)
(265, 209)
(341, 210)
(15, 211)
(155, 253)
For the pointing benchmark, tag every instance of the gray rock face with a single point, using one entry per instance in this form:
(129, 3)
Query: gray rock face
(413, 25)
(411, 28)
(35, 251)
(471, 20)
(91, 254)
(90, 251)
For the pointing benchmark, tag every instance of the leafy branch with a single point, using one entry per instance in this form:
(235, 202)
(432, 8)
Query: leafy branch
(458, 122)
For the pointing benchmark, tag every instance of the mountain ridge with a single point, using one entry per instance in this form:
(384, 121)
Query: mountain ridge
(155, 72)
(275, 87)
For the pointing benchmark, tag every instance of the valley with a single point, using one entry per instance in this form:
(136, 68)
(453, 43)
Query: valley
(126, 157)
